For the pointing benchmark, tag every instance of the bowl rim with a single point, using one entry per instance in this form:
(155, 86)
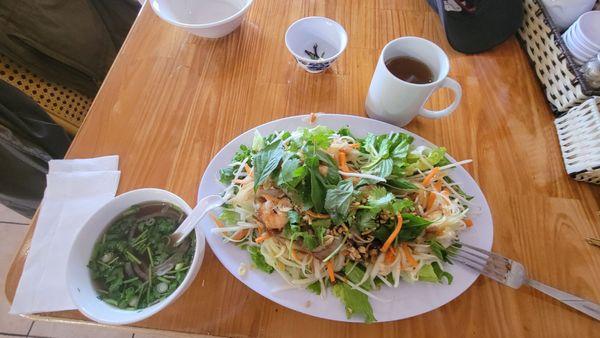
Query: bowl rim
(239, 13)
(328, 59)
(144, 313)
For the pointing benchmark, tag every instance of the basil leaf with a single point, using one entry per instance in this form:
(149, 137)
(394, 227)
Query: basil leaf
(292, 172)
(401, 183)
(265, 162)
(412, 227)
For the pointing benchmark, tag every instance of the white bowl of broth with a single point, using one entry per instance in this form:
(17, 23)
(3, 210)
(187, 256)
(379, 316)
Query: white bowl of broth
(122, 268)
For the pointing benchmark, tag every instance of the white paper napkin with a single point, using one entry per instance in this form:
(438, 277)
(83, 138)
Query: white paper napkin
(75, 190)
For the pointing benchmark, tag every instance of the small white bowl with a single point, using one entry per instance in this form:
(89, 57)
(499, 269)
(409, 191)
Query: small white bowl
(566, 12)
(205, 18)
(330, 37)
(588, 30)
(580, 54)
(80, 283)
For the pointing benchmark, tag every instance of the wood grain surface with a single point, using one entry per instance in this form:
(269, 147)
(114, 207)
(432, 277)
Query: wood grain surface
(172, 100)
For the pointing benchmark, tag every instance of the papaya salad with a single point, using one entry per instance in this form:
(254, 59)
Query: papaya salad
(325, 209)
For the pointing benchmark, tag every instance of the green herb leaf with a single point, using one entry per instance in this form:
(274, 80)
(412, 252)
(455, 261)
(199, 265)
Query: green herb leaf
(441, 274)
(379, 198)
(314, 288)
(317, 190)
(401, 183)
(258, 259)
(292, 172)
(265, 162)
(320, 227)
(226, 175)
(355, 274)
(440, 251)
(412, 227)
(365, 219)
(337, 200)
(317, 137)
(355, 302)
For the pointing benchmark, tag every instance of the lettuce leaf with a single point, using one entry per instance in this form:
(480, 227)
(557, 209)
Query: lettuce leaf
(427, 274)
(258, 259)
(229, 217)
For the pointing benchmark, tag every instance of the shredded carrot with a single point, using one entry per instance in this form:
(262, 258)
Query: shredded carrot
(409, 257)
(390, 255)
(262, 237)
(437, 185)
(394, 234)
(439, 232)
(216, 220)
(330, 271)
(468, 222)
(312, 118)
(248, 169)
(355, 145)
(430, 200)
(316, 215)
(342, 161)
(431, 175)
(240, 234)
(295, 255)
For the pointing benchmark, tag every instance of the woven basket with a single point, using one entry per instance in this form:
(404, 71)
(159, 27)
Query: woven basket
(579, 137)
(553, 63)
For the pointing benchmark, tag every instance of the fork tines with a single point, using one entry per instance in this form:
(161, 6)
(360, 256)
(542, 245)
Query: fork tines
(487, 263)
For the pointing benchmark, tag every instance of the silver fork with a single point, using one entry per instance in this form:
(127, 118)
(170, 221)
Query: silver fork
(513, 274)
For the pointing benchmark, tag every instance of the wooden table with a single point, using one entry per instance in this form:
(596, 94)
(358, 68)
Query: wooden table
(172, 100)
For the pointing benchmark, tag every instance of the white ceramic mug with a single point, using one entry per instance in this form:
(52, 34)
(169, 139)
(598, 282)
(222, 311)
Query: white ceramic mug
(398, 102)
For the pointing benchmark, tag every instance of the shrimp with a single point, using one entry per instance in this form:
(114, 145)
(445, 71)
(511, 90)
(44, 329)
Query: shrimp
(272, 208)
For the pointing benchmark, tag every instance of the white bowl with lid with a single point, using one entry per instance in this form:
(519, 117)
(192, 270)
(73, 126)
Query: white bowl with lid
(205, 18)
(81, 286)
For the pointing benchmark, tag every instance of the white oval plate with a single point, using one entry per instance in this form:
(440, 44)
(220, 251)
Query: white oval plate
(405, 301)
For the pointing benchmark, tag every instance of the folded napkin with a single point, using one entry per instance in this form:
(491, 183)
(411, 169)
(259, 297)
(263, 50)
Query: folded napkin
(75, 190)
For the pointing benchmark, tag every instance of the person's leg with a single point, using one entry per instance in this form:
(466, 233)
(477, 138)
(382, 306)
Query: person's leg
(28, 140)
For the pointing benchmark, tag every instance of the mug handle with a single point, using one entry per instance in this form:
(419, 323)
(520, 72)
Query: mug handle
(455, 87)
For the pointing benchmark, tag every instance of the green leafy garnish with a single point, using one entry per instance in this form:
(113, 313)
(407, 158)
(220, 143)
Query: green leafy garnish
(265, 162)
(258, 259)
(337, 200)
(354, 301)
